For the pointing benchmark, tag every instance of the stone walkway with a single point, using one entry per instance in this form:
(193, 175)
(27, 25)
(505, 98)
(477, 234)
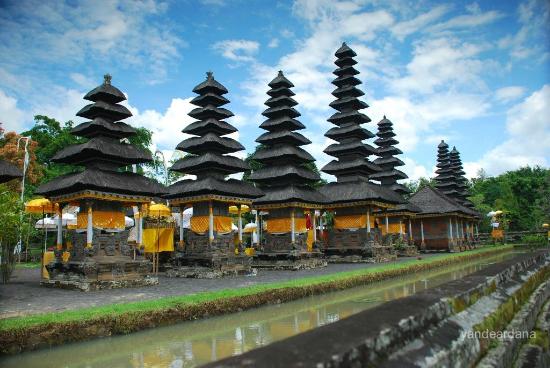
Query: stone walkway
(24, 295)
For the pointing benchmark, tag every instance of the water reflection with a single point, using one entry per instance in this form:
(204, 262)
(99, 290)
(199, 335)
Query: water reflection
(193, 343)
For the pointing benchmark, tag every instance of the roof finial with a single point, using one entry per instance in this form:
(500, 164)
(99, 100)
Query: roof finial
(107, 79)
(209, 75)
(280, 74)
(344, 44)
(384, 116)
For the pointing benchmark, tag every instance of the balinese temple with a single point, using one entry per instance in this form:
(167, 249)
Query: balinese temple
(398, 220)
(9, 171)
(286, 183)
(100, 255)
(462, 195)
(441, 223)
(209, 249)
(352, 198)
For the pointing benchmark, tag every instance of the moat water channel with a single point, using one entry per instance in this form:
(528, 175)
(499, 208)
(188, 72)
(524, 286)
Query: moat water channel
(191, 344)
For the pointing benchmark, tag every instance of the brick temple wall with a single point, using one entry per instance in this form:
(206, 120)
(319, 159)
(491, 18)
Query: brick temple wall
(436, 233)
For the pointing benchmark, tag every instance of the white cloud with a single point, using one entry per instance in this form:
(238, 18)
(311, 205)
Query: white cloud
(82, 80)
(408, 27)
(414, 170)
(467, 21)
(510, 93)
(12, 118)
(237, 50)
(528, 142)
(273, 43)
(117, 32)
(532, 38)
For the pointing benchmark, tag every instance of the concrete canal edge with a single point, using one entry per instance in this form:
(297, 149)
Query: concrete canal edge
(38, 336)
(441, 327)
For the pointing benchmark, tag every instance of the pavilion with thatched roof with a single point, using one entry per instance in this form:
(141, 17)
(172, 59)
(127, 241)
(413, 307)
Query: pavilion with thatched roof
(9, 171)
(352, 198)
(100, 255)
(209, 249)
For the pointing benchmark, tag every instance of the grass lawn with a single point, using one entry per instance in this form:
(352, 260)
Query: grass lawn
(28, 265)
(311, 285)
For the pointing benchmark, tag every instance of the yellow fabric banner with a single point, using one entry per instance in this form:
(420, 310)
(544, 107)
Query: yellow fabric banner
(222, 224)
(282, 225)
(310, 240)
(158, 240)
(393, 228)
(48, 257)
(351, 222)
(497, 234)
(102, 219)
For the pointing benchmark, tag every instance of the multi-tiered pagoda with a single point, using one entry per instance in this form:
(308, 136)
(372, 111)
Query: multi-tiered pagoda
(100, 255)
(9, 171)
(455, 164)
(445, 180)
(352, 197)
(440, 224)
(286, 182)
(209, 249)
(395, 220)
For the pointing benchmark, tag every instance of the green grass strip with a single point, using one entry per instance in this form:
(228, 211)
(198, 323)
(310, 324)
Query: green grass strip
(341, 280)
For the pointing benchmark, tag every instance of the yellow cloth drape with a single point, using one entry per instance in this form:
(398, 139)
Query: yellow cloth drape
(158, 240)
(159, 210)
(222, 224)
(49, 257)
(351, 221)
(497, 234)
(102, 219)
(310, 240)
(282, 225)
(393, 228)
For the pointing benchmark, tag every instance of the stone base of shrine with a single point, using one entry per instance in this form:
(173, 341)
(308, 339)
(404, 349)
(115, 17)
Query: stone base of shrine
(209, 267)
(95, 274)
(373, 254)
(293, 260)
(407, 251)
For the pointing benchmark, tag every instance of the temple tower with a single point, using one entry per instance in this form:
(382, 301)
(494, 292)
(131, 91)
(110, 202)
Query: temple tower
(444, 180)
(352, 198)
(209, 249)
(100, 255)
(395, 221)
(286, 182)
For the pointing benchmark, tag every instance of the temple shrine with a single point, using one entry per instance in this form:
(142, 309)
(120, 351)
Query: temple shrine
(395, 223)
(209, 250)
(287, 184)
(443, 222)
(352, 198)
(100, 256)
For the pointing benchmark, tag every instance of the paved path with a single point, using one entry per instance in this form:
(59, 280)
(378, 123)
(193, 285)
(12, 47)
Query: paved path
(24, 295)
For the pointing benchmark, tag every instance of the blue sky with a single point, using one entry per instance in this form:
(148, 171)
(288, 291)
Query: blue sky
(474, 74)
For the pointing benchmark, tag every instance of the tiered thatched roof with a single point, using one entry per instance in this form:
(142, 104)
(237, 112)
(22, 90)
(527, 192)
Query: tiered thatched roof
(432, 201)
(387, 161)
(455, 164)
(8, 171)
(444, 181)
(351, 167)
(103, 153)
(283, 177)
(208, 151)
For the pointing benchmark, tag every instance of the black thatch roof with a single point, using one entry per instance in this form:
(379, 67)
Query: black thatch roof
(203, 127)
(281, 153)
(105, 92)
(290, 193)
(209, 161)
(282, 137)
(212, 186)
(401, 208)
(9, 171)
(432, 201)
(357, 191)
(290, 173)
(351, 153)
(387, 161)
(103, 127)
(103, 153)
(103, 149)
(102, 180)
(444, 180)
(455, 164)
(209, 142)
